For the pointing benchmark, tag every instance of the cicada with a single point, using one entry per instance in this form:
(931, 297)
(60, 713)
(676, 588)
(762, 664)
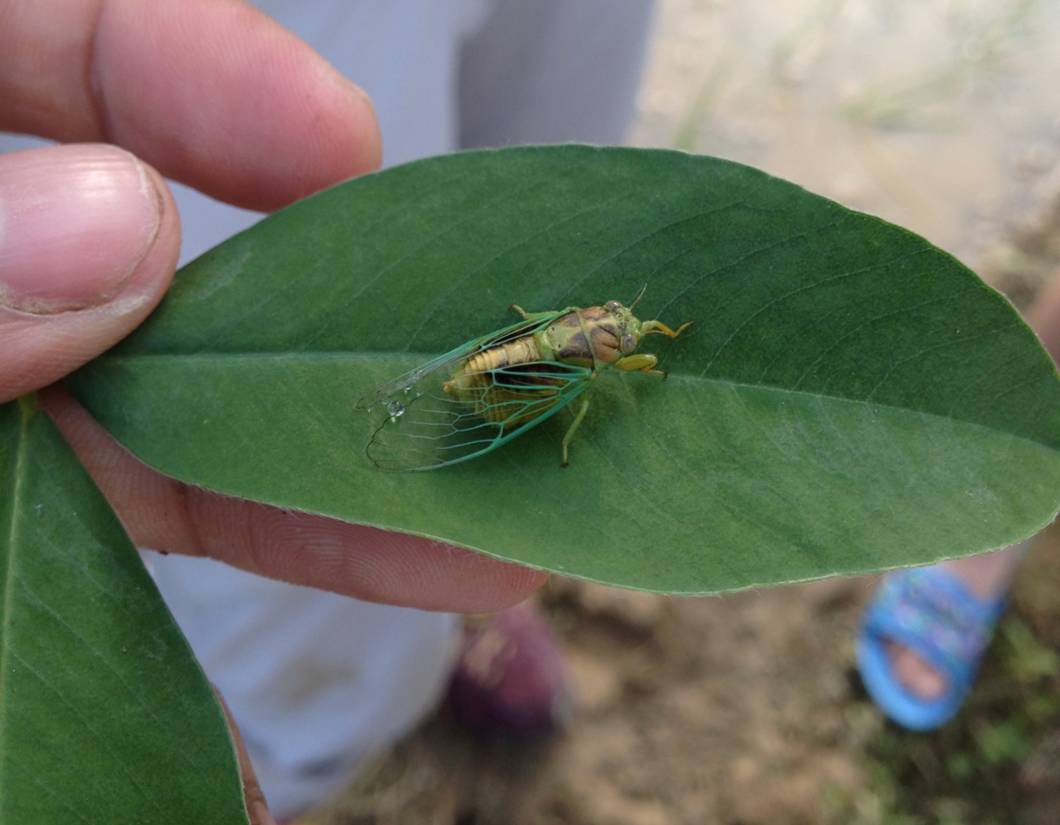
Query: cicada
(494, 388)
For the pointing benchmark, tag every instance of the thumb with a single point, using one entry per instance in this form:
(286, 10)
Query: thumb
(89, 239)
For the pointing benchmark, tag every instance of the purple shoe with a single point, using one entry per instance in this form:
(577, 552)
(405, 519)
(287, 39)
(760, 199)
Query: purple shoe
(510, 680)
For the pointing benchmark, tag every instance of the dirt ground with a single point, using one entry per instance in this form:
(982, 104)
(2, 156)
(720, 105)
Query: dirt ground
(745, 709)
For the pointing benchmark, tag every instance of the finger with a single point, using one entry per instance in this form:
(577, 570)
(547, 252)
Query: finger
(371, 564)
(257, 807)
(210, 92)
(89, 239)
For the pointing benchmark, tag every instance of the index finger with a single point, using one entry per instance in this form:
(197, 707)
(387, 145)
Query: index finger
(209, 92)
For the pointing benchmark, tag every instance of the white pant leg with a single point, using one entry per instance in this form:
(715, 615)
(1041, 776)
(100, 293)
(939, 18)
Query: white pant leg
(553, 71)
(317, 682)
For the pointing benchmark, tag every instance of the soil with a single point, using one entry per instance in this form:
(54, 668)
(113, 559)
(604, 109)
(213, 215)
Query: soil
(745, 709)
(742, 709)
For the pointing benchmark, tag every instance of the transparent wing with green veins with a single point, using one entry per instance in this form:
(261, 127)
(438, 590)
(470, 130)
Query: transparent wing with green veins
(417, 425)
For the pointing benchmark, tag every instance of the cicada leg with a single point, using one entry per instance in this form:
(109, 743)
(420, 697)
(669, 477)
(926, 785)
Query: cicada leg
(658, 327)
(641, 362)
(530, 316)
(573, 428)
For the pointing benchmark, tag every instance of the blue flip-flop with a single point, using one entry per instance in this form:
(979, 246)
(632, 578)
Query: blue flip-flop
(929, 611)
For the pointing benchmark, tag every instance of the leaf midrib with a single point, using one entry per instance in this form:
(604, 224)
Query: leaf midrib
(324, 355)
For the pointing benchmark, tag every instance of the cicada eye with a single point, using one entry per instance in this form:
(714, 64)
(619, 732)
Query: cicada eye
(629, 343)
(612, 306)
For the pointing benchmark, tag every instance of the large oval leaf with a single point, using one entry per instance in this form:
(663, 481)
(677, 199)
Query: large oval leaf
(851, 398)
(105, 717)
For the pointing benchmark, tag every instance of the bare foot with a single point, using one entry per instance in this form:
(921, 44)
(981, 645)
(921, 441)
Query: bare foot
(918, 677)
(987, 576)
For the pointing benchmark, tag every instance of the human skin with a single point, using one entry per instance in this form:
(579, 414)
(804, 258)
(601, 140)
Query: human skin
(217, 95)
(89, 238)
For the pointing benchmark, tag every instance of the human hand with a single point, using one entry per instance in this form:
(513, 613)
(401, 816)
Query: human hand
(218, 96)
(221, 97)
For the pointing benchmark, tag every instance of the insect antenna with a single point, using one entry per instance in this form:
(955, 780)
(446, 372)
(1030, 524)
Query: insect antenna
(640, 295)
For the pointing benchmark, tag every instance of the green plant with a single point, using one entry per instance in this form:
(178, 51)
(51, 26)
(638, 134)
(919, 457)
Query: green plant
(850, 399)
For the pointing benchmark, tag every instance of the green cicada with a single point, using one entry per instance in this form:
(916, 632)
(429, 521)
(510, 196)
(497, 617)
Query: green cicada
(493, 388)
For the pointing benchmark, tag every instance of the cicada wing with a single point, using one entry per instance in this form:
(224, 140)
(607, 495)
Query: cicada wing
(418, 425)
(431, 428)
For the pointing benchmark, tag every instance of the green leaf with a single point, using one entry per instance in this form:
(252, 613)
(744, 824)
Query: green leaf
(105, 716)
(851, 398)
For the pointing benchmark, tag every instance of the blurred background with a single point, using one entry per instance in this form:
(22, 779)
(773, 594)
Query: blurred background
(942, 116)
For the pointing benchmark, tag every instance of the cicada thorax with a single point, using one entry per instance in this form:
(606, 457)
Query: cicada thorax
(587, 337)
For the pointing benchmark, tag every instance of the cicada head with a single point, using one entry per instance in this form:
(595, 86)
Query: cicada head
(626, 327)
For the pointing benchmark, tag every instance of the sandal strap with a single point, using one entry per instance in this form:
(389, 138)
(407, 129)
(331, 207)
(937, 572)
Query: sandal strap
(931, 611)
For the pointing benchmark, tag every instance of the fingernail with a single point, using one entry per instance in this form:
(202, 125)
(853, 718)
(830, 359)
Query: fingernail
(75, 223)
